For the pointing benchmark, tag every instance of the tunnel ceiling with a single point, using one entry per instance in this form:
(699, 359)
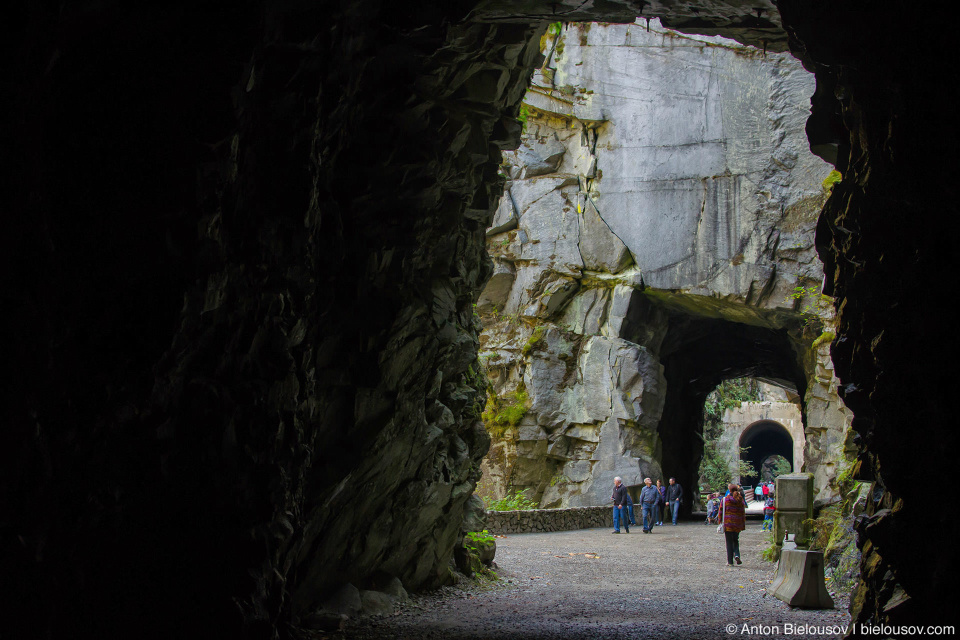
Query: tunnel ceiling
(755, 23)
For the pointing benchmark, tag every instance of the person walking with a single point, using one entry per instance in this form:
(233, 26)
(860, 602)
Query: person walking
(661, 502)
(674, 498)
(648, 502)
(769, 506)
(633, 522)
(620, 511)
(733, 521)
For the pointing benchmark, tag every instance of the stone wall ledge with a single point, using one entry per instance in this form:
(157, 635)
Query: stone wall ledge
(545, 520)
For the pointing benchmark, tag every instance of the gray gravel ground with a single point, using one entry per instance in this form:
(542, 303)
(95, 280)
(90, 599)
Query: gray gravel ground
(589, 584)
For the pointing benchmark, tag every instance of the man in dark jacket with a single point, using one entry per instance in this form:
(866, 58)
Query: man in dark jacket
(620, 511)
(648, 502)
(674, 498)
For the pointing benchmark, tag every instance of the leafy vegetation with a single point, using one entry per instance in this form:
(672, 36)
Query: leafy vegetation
(772, 552)
(501, 413)
(823, 527)
(715, 468)
(474, 543)
(781, 467)
(478, 539)
(513, 501)
(832, 179)
(523, 116)
(810, 301)
(727, 395)
(800, 292)
(512, 318)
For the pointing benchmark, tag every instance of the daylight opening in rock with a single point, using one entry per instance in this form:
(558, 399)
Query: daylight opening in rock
(766, 441)
(655, 238)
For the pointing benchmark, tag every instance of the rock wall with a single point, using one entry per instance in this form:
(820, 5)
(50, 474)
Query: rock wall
(884, 237)
(246, 364)
(650, 161)
(544, 520)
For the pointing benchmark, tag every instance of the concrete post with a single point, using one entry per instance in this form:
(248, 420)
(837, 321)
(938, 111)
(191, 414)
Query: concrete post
(794, 502)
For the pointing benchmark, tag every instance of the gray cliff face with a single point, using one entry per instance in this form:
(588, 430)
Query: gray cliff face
(650, 162)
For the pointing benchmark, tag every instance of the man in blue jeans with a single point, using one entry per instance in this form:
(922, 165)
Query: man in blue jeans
(620, 509)
(674, 498)
(648, 502)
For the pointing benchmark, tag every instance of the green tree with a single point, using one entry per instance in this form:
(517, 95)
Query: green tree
(781, 467)
(727, 395)
(715, 468)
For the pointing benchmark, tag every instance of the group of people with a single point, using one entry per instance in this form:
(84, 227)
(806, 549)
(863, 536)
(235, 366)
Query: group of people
(728, 512)
(654, 502)
(769, 505)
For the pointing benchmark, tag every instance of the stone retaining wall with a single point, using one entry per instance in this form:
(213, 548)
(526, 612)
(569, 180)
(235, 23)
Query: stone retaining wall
(540, 520)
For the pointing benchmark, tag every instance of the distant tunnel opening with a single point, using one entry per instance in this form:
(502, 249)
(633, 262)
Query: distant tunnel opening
(764, 441)
(700, 348)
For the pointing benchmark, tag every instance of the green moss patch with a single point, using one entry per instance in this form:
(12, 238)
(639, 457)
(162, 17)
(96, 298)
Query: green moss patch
(504, 412)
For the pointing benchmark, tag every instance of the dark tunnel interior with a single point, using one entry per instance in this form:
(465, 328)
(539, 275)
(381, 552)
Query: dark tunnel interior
(763, 440)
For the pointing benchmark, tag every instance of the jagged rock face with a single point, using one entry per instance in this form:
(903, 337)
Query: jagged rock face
(312, 417)
(324, 171)
(883, 237)
(694, 158)
(650, 161)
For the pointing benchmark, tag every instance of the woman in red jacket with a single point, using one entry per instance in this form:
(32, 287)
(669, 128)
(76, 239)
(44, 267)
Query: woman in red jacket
(734, 521)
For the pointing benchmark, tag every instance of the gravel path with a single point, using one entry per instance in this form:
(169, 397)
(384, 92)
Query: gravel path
(589, 584)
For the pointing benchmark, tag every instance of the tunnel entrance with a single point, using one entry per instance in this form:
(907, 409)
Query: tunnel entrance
(700, 346)
(736, 443)
(605, 325)
(765, 442)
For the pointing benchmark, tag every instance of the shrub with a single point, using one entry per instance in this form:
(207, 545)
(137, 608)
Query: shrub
(513, 501)
(772, 552)
(715, 469)
(477, 539)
